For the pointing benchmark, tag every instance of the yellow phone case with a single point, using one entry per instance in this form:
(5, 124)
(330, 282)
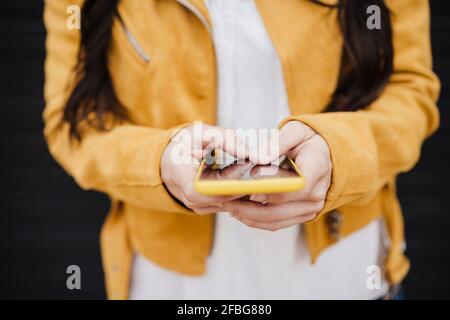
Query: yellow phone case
(247, 187)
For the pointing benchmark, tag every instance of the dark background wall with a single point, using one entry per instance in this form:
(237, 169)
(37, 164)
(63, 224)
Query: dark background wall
(48, 223)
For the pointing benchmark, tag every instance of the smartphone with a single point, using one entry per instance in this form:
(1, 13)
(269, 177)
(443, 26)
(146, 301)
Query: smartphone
(238, 178)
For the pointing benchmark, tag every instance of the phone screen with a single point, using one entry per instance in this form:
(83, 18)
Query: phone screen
(239, 170)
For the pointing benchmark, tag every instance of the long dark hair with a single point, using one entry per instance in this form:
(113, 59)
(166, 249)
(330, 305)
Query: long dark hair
(366, 62)
(93, 93)
(367, 57)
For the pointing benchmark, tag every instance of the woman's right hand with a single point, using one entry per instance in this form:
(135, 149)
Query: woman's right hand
(182, 157)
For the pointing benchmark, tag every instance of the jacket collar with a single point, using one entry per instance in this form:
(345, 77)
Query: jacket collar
(200, 5)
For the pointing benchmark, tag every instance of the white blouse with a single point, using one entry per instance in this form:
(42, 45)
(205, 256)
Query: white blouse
(249, 263)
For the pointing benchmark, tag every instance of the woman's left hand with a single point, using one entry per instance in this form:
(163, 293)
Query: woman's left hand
(277, 211)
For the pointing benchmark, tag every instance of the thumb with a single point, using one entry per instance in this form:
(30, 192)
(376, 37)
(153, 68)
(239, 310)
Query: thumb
(289, 136)
(235, 171)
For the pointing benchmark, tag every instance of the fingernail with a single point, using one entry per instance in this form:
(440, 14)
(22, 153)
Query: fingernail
(255, 173)
(258, 198)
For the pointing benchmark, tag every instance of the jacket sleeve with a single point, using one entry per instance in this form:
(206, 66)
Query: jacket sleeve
(370, 147)
(123, 162)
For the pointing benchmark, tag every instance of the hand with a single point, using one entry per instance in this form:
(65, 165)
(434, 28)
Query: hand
(182, 157)
(276, 211)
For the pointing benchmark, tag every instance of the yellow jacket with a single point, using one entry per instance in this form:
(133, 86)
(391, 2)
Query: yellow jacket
(177, 85)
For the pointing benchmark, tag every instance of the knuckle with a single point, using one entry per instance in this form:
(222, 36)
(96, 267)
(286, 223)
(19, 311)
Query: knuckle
(251, 223)
(189, 204)
(269, 217)
(310, 217)
(321, 204)
(198, 211)
(317, 195)
(329, 165)
(318, 206)
(166, 177)
(188, 195)
(322, 161)
(191, 196)
(273, 228)
(236, 211)
(296, 126)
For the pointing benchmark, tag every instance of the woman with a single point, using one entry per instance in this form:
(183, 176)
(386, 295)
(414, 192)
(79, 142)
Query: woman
(353, 106)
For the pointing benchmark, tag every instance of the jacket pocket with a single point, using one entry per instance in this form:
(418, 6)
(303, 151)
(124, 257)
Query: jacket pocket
(137, 50)
(131, 67)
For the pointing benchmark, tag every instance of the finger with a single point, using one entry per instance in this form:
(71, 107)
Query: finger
(275, 198)
(271, 212)
(198, 153)
(276, 225)
(192, 199)
(264, 171)
(320, 190)
(313, 167)
(207, 210)
(259, 172)
(228, 141)
(289, 136)
(235, 171)
(312, 162)
(316, 193)
(293, 134)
